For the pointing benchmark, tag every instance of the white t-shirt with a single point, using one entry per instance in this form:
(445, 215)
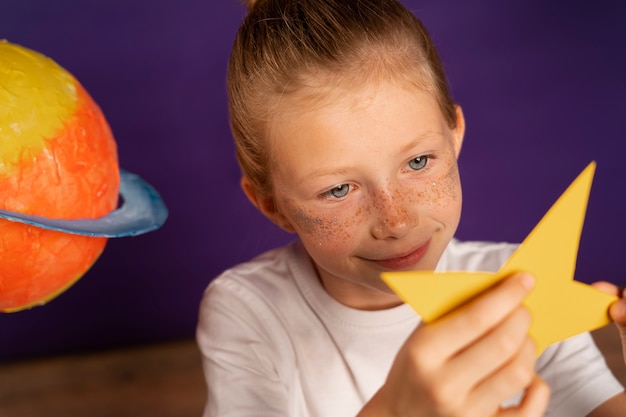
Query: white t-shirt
(274, 343)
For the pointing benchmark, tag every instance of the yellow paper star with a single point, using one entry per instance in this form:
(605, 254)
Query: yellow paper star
(561, 307)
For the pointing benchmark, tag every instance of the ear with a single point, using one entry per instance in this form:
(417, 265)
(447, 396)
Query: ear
(265, 204)
(459, 131)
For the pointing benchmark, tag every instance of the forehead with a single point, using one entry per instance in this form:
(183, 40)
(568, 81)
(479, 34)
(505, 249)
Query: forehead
(344, 118)
(330, 91)
(316, 87)
(322, 87)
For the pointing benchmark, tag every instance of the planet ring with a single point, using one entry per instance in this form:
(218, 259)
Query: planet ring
(142, 211)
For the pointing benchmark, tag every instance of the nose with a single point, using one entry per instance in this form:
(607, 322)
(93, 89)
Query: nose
(394, 215)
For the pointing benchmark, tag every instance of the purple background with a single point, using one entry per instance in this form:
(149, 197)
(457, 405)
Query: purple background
(542, 86)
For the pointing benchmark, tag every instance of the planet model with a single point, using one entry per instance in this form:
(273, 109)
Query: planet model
(60, 181)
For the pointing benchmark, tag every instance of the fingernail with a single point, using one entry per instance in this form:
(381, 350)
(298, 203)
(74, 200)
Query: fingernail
(618, 310)
(528, 281)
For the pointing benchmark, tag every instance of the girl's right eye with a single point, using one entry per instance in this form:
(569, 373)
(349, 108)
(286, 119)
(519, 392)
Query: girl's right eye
(339, 191)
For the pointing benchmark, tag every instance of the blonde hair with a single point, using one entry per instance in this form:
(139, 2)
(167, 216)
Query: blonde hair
(283, 45)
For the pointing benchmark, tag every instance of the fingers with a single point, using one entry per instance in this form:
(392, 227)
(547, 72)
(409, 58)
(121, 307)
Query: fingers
(512, 377)
(618, 308)
(470, 361)
(461, 328)
(505, 346)
(533, 404)
(608, 288)
(617, 311)
(481, 353)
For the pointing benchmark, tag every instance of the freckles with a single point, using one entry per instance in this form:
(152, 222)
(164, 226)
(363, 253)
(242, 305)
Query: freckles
(328, 229)
(400, 205)
(452, 184)
(444, 191)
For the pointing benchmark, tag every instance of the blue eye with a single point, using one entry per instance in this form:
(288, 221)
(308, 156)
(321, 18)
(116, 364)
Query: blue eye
(418, 163)
(338, 191)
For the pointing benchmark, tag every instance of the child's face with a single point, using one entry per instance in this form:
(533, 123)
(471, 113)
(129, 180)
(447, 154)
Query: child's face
(370, 183)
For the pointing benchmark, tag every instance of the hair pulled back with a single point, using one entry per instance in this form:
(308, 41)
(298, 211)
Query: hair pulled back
(283, 44)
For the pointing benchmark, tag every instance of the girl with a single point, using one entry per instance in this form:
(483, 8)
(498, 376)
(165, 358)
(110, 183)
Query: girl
(347, 135)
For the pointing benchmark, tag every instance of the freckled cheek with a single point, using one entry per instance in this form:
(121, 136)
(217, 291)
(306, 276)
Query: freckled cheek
(444, 192)
(333, 228)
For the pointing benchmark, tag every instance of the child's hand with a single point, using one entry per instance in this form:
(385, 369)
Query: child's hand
(467, 363)
(617, 310)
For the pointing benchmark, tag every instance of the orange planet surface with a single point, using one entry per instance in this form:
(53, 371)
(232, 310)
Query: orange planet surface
(58, 159)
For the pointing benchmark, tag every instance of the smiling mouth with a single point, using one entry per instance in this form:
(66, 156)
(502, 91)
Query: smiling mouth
(405, 261)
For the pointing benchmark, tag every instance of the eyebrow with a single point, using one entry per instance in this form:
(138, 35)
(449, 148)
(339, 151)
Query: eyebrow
(430, 134)
(323, 173)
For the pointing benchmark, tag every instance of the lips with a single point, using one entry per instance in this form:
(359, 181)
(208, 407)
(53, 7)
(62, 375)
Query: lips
(405, 261)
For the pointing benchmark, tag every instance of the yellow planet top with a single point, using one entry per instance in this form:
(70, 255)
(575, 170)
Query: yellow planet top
(37, 95)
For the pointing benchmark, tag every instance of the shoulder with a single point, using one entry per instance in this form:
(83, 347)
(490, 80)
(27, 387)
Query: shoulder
(265, 289)
(249, 301)
(267, 275)
(475, 255)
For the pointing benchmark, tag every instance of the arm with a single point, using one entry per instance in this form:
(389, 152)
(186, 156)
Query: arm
(467, 363)
(242, 374)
